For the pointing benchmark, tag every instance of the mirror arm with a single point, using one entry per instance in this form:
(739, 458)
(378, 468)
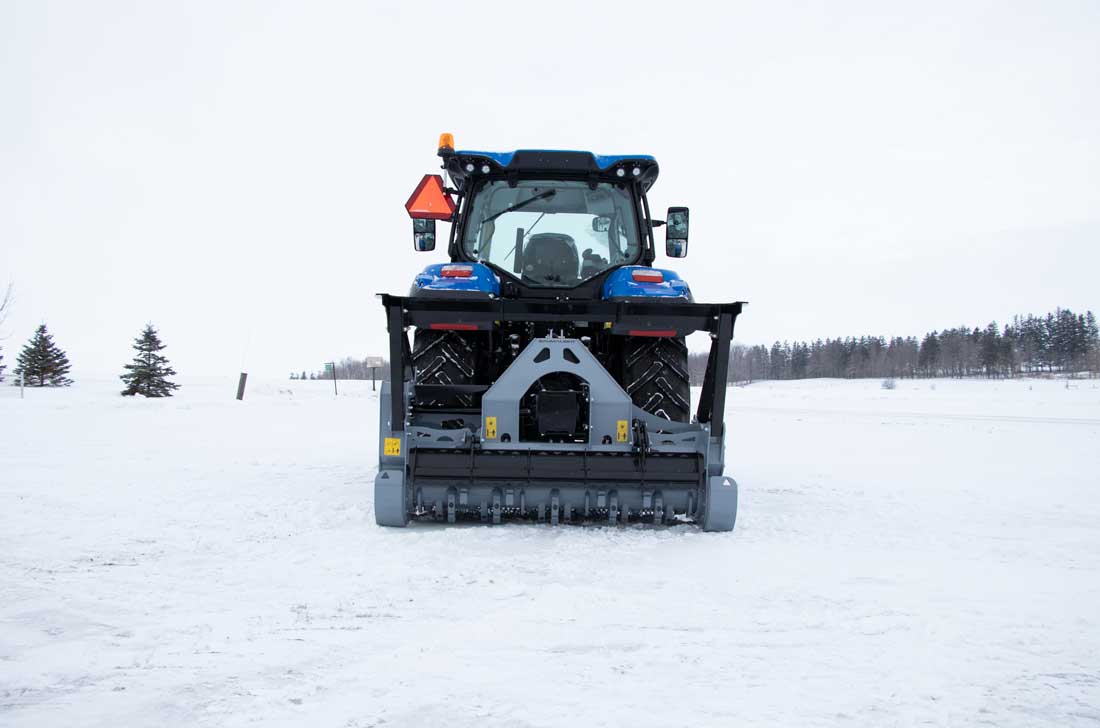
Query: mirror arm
(656, 223)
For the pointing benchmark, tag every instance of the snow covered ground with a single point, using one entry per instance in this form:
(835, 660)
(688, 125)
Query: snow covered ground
(923, 556)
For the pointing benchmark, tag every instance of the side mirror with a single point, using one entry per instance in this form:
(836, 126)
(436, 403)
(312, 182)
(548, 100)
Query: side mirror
(601, 224)
(676, 232)
(423, 235)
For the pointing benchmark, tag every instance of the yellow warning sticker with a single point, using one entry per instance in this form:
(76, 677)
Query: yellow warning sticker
(391, 446)
(621, 430)
(490, 428)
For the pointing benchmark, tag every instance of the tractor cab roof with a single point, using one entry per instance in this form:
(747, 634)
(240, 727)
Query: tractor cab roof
(466, 165)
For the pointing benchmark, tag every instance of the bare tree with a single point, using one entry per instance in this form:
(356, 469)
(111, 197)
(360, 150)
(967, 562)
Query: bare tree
(5, 308)
(6, 301)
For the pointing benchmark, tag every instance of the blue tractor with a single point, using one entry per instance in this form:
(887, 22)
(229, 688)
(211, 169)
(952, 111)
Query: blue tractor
(547, 377)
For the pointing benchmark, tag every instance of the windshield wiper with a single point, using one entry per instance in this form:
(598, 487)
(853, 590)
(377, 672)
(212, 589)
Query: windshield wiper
(518, 205)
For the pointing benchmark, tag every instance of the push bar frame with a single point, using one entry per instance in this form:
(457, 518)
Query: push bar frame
(715, 318)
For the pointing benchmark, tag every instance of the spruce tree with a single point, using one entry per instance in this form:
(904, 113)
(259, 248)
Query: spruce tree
(42, 363)
(989, 348)
(929, 357)
(148, 373)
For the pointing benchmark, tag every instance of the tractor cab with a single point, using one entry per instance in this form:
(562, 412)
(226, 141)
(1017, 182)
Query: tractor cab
(544, 219)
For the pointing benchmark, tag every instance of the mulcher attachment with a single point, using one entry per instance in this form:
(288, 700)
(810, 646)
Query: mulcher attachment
(621, 464)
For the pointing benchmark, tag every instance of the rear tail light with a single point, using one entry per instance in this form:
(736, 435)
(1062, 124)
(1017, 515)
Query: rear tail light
(457, 271)
(653, 332)
(453, 327)
(648, 276)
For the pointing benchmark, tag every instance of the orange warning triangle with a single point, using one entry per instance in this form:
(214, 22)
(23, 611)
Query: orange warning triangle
(429, 201)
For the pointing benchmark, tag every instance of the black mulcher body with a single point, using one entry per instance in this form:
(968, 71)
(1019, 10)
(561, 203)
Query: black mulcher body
(547, 374)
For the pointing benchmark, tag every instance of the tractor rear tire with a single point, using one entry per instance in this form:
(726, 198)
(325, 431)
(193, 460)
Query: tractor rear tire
(656, 376)
(446, 357)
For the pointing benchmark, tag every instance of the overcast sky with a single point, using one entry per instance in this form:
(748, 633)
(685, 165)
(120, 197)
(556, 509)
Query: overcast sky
(236, 172)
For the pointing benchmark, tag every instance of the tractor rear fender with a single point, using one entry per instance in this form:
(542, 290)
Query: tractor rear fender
(637, 282)
(462, 279)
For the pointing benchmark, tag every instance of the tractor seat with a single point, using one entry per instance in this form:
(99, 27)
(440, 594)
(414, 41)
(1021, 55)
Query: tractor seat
(551, 258)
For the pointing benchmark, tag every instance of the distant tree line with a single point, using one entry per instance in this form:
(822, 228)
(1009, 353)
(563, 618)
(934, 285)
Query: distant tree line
(1060, 342)
(347, 368)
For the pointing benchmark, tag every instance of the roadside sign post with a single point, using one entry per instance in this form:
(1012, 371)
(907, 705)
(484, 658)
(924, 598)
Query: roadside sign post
(375, 363)
(330, 368)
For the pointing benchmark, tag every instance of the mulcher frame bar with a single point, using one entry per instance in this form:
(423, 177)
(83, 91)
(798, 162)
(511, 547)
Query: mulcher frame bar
(715, 318)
